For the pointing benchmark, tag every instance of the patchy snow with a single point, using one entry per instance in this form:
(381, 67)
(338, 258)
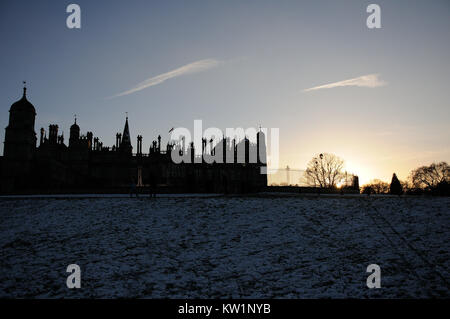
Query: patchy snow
(84, 196)
(218, 247)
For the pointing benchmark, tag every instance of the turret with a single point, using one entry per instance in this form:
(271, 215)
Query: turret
(261, 147)
(20, 138)
(53, 133)
(139, 145)
(19, 146)
(74, 134)
(118, 140)
(41, 141)
(89, 137)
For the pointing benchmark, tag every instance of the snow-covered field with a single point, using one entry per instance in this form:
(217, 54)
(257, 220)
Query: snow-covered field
(218, 247)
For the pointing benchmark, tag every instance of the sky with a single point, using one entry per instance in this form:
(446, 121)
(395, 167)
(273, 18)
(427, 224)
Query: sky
(378, 98)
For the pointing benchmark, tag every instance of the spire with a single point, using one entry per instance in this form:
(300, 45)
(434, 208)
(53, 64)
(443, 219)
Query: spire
(24, 89)
(126, 140)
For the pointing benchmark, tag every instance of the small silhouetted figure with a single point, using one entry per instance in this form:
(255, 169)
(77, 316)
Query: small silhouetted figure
(152, 187)
(133, 189)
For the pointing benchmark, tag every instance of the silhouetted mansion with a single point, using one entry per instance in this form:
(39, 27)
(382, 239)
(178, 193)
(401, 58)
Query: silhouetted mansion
(85, 165)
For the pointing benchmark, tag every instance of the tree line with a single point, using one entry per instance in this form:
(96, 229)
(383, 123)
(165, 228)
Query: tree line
(433, 179)
(327, 171)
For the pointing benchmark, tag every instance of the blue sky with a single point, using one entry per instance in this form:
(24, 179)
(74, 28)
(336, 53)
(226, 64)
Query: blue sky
(268, 53)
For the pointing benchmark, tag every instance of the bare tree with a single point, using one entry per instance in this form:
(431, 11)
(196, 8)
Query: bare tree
(407, 185)
(325, 171)
(378, 187)
(429, 177)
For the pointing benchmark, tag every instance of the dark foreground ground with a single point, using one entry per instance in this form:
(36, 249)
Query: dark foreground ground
(220, 247)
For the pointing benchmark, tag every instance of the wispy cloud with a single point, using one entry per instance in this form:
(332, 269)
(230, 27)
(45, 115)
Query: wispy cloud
(368, 81)
(190, 68)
